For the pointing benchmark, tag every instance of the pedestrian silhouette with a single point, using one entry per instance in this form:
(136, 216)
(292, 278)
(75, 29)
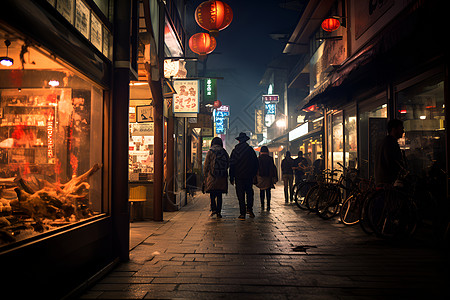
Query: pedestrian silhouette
(288, 176)
(243, 168)
(215, 172)
(266, 177)
(390, 159)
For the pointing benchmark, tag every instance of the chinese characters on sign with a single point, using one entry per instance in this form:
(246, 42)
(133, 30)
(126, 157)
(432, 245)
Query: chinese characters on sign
(50, 143)
(186, 99)
(210, 90)
(270, 98)
(259, 124)
(220, 118)
(270, 110)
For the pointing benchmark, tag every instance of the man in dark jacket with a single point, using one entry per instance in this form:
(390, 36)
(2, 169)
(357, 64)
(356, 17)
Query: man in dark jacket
(288, 176)
(243, 168)
(390, 161)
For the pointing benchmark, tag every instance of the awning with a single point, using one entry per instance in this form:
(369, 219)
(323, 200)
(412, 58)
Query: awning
(338, 76)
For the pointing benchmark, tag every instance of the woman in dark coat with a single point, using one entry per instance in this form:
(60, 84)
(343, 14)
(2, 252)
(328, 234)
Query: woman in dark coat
(266, 177)
(216, 175)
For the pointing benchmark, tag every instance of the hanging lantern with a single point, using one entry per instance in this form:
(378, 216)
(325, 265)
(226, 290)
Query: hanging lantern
(202, 43)
(213, 16)
(330, 24)
(217, 104)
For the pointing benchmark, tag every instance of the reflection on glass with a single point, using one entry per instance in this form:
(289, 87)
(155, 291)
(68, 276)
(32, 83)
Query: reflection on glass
(50, 146)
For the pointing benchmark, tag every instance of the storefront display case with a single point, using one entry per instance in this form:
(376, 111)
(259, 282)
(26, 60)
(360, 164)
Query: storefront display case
(55, 222)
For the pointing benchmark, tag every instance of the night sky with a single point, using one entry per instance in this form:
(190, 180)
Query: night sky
(243, 51)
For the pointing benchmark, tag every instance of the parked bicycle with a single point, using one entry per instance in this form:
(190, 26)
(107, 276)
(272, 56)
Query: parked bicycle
(301, 189)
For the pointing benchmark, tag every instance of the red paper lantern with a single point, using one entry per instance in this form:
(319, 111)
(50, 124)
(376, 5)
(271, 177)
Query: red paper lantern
(213, 16)
(330, 24)
(217, 104)
(202, 43)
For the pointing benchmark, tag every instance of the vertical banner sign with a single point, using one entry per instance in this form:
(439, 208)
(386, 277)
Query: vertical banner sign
(270, 110)
(186, 100)
(259, 121)
(50, 140)
(209, 90)
(220, 115)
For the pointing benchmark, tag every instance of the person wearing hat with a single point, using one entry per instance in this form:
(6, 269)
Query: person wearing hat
(266, 177)
(243, 168)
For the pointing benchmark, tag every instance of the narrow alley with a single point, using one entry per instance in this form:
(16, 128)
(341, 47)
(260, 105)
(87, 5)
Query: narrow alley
(282, 254)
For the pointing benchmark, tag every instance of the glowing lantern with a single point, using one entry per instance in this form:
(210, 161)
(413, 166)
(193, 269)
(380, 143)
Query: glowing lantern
(202, 43)
(330, 24)
(213, 16)
(217, 104)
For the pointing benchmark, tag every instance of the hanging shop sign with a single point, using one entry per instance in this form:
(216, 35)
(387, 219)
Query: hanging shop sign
(144, 113)
(270, 98)
(186, 100)
(220, 120)
(259, 123)
(270, 110)
(209, 90)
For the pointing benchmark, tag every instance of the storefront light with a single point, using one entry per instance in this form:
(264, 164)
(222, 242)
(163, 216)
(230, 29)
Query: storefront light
(53, 83)
(6, 60)
(422, 117)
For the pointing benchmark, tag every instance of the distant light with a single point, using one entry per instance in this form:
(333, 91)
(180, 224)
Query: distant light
(422, 117)
(53, 83)
(402, 111)
(6, 61)
(281, 123)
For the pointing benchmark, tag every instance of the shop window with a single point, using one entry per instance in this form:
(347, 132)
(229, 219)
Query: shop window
(372, 129)
(51, 133)
(421, 107)
(338, 141)
(351, 149)
(141, 141)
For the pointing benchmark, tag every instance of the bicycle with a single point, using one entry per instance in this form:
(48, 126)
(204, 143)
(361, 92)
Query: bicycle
(302, 188)
(350, 212)
(391, 210)
(329, 204)
(321, 196)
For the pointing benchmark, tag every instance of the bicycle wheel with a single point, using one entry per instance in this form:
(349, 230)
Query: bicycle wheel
(364, 220)
(300, 195)
(312, 197)
(350, 210)
(392, 214)
(328, 205)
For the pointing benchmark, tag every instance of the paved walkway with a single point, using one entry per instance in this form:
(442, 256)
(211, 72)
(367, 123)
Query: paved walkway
(282, 254)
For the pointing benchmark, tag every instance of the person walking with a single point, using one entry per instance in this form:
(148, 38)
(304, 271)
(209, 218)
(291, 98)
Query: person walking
(301, 165)
(243, 168)
(390, 160)
(215, 172)
(288, 176)
(266, 177)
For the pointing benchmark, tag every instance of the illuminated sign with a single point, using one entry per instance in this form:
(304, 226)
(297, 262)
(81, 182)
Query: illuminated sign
(270, 98)
(186, 100)
(298, 132)
(270, 108)
(259, 124)
(50, 143)
(210, 90)
(220, 119)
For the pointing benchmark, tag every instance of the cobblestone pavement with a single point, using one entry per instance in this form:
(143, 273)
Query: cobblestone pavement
(282, 254)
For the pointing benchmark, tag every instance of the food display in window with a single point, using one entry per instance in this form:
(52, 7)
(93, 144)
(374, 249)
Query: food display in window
(46, 166)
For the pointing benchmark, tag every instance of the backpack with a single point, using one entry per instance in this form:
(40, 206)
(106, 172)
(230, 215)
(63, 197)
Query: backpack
(220, 164)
